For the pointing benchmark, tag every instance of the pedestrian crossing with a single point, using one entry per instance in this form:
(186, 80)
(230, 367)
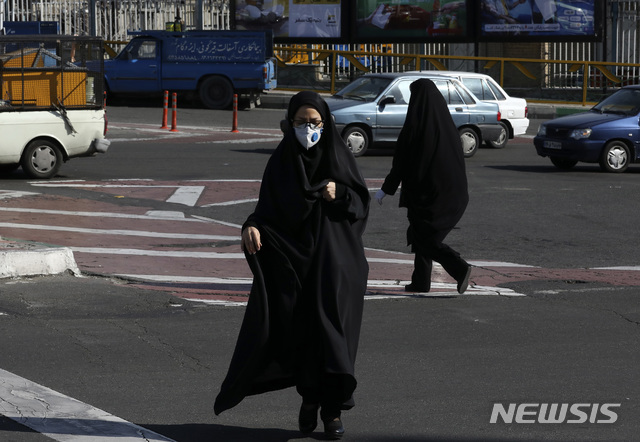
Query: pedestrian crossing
(198, 257)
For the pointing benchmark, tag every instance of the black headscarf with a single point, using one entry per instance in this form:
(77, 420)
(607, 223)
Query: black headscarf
(429, 160)
(310, 276)
(295, 177)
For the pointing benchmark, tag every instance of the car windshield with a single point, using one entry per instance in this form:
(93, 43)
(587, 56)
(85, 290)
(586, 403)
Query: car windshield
(364, 88)
(625, 102)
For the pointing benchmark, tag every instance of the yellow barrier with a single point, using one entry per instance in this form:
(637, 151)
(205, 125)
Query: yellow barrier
(44, 89)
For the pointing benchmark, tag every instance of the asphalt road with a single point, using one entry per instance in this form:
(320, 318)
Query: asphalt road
(428, 368)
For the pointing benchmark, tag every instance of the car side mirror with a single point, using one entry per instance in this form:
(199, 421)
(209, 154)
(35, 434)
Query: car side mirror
(389, 99)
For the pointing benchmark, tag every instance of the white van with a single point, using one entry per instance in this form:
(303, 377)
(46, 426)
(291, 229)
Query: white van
(51, 108)
(513, 111)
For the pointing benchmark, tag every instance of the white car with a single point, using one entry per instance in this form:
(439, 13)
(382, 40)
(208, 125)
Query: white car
(513, 111)
(51, 105)
(40, 141)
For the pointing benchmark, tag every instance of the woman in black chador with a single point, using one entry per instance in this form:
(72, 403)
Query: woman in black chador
(304, 246)
(429, 162)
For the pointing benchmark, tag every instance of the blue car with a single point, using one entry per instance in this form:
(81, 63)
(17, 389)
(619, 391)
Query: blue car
(371, 111)
(608, 134)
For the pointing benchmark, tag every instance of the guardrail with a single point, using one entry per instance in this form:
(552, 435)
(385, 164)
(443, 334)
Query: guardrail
(538, 80)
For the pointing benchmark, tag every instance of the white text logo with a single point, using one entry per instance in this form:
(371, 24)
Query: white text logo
(554, 413)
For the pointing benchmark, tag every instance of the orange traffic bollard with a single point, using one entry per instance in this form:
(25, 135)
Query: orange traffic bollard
(234, 127)
(165, 110)
(174, 117)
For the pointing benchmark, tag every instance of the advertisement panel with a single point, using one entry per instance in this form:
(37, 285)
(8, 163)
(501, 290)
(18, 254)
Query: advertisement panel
(407, 21)
(540, 19)
(311, 21)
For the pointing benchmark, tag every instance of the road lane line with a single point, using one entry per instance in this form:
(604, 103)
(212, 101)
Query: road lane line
(243, 141)
(231, 203)
(63, 418)
(96, 214)
(159, 253)
(193, 279)
(121, 232)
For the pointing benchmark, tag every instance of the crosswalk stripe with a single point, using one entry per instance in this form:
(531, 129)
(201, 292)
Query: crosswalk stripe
(121, 232)
(63, 418)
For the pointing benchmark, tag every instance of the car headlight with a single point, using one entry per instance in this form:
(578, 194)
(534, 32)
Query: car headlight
(580, 133)
(542, 130)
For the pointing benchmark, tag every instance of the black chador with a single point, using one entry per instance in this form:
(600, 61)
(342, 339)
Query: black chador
(429, 162)
(302, 322)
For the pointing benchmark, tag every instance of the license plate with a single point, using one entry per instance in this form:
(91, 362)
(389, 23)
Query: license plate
(553, 145)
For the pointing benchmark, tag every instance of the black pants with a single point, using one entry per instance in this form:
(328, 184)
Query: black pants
(427, 244)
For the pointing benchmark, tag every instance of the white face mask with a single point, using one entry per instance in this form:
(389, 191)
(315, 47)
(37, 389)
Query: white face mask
(308, 137)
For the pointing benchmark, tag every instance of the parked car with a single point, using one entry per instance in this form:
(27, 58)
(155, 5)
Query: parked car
(608, 134)
(372, 109)
(513, 111)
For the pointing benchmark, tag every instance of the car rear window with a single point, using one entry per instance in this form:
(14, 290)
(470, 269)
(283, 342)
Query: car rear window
(496, 90)
(364, 88)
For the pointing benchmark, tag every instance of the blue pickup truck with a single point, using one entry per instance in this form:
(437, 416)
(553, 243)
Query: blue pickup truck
(215, 65)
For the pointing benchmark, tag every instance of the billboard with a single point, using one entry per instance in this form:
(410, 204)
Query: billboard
(539, 20)
(311, 21)
(410, 21)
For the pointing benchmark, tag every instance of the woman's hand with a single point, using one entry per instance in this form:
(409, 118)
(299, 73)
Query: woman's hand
(251, 240)
(329, 192)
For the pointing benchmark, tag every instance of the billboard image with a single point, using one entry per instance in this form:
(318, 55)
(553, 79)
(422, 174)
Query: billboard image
(291, 19)
(424, 20)
(542, 19)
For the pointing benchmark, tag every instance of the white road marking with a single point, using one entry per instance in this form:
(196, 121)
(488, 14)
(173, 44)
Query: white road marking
(5, 194)
(63, 418)
(121, 232)
(166, 214)
(242, 141)
(217, 255)
(111, 186)
(150, 215)
(187, 195)
(217, 221)
(231, 203)
(631, 268)
(159, 253)
(194, 279)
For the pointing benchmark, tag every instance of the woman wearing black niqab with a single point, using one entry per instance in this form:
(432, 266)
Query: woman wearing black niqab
(429, 162)
(304, 246)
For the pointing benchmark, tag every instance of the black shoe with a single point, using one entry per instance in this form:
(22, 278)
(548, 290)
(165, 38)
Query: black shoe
(334, 429)
(416, 288)
(308, 417)
(464, 282)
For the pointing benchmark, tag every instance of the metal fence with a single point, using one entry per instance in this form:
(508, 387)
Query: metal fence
(111, 19)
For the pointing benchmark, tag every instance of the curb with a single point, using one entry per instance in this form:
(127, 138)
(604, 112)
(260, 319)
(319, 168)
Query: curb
(33, 259)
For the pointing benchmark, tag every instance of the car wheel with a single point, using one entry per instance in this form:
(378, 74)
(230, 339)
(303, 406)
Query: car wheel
(502, 141)
(216, 92)
(615, 157)
(357, 140)
(41, 159)
(470, 141)
(563, 163)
